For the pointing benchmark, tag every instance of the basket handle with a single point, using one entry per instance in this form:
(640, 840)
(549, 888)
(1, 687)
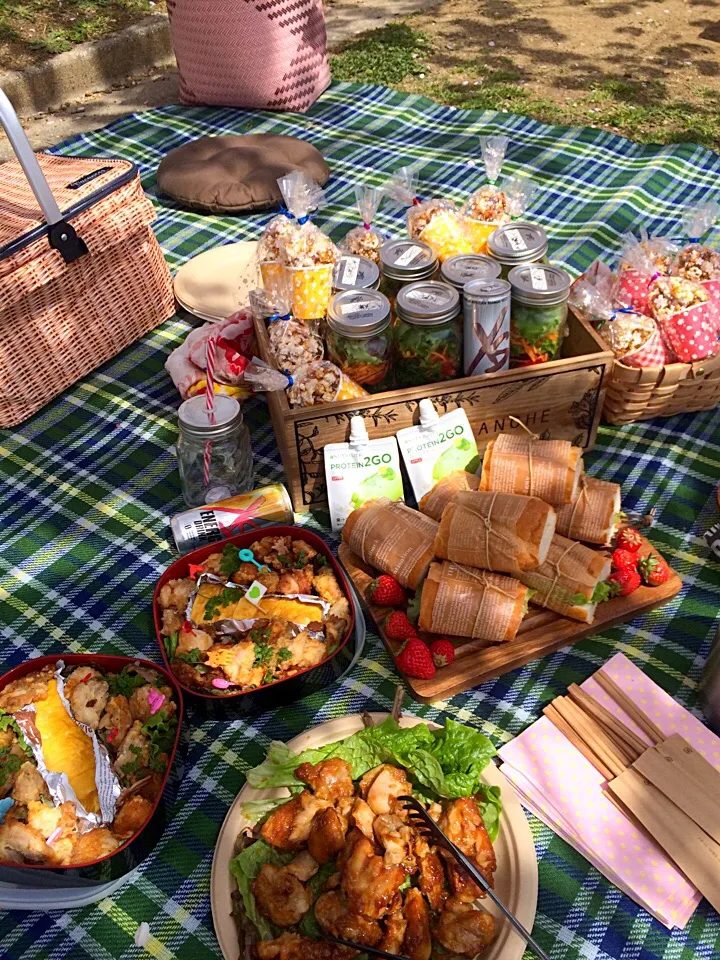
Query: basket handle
(61, 234)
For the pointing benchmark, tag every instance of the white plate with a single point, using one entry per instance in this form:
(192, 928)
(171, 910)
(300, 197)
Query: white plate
(516, 879)
(216, 283)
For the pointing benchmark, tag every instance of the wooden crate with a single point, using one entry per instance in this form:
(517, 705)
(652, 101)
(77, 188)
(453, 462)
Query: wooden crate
(560, 400)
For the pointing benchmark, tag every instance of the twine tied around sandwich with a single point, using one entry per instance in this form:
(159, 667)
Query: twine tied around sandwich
(583, 495)
(533, 436)
(555, 564)
(487, 522)
(482, 578)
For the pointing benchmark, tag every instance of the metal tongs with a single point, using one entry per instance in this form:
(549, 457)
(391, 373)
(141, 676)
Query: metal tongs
(424, 823)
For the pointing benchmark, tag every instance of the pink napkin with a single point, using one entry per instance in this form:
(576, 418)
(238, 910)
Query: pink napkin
(557, 784)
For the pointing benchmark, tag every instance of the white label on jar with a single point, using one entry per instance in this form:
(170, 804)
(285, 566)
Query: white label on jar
(538, 279)
(408, 256)
(418, 297)
(350, 271)
(358, 306)
(516, 240)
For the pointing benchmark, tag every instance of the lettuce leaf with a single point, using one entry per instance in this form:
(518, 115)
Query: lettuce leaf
(441, 763)
(8, 722)
(309, 925)
(245, 867)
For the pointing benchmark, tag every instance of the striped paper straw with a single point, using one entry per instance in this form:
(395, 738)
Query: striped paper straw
(209, 402)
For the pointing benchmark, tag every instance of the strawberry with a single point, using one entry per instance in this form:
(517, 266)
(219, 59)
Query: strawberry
(415, 659)
(385, 591)
(398, 627)
(628, 539)
(624, 560)
(443, 652)
(624, 581)
(654, 570)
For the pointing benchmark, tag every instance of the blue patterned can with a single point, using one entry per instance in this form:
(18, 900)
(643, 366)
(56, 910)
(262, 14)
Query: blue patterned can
(486, 328)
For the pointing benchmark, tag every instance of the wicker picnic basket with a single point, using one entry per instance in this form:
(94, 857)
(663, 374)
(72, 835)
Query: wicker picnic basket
(81, 273)
(636, 393)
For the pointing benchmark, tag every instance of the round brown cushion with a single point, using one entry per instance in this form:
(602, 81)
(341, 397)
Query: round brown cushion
(236, 174)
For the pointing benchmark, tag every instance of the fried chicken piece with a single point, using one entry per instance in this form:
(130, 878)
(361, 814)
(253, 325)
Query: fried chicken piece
(172, 621)
(326, 585)
(245, 574)
(142, 710)
(7, 738)
(175, 594)
(333, 913)
(295, 581)
(463, 930)
(370, 887)
(304, 866)
(269, 579)
(87, 698)
(237, 662)
(328, 779)
(327, 835)
(189, 677)
(275, 552)
(194, 639)
(463, 824)
(395, 927)
(131, 817)
(302, 550)
(363, 818)
(305, 651)
(382, 784)
(29, 785)
(336, 627)
(135, 747)
(432, 874)
(417, 943)
(280, 896)
(396, 839)
(293, 946)
(94, 845)
(117, 717)
(288, 827)
(27, 689)
(20, 843)
(47, 820)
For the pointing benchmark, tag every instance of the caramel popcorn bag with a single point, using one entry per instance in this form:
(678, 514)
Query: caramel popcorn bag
(365, 240)
(317, 382)
(685, 316)
(641, 262)
(700, 263)
(292, 342)
(436, 222)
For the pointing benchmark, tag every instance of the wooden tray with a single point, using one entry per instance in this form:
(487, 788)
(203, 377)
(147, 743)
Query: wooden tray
(541, 632)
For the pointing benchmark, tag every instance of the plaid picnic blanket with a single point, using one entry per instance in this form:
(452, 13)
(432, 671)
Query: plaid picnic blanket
(89, 484)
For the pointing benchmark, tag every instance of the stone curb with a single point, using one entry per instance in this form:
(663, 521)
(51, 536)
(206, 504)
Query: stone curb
(90, 67)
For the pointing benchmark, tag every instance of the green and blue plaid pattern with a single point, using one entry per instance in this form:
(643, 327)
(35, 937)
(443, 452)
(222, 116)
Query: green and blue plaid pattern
(90, 482)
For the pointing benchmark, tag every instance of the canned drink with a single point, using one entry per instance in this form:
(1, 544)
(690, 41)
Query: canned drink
(486, 327)
(215, 521)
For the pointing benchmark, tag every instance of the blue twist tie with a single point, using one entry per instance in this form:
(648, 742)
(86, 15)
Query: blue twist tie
(304, 219)
(278, 316)
(622, 310)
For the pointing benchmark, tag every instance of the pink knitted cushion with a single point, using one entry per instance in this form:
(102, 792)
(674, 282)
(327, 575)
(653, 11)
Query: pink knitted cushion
(250, 53)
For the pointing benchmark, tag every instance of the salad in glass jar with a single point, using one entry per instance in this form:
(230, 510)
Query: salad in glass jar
(539, 295)
(359, 339)
(427, 334)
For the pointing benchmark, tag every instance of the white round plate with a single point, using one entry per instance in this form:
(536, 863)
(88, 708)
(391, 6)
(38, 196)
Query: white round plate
(216, 283)
(516, 879)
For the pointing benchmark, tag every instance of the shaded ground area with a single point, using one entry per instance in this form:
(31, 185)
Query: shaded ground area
(33, 30)
(649, 70)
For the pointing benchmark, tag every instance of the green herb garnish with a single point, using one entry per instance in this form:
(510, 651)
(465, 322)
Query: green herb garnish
(8, 722)
(300, 560)
(321, 560)
(268, 675)
(10, 763)
(285, 561)
(283, 654)
(124, 683)
(263, 654)
(160, 730)
(214, 604)
(193, 656)
(260, 634)
(230, 560)
(134, 765)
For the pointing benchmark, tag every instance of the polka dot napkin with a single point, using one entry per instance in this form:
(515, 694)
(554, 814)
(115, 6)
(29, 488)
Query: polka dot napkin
(557, 784)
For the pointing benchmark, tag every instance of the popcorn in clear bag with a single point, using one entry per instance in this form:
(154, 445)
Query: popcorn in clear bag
(365, 240)
(316, 382)
(436, 222)
(698, 262)
(292, 342)
(685, 316)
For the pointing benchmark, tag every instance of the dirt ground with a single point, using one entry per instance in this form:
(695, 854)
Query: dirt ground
(662, 55)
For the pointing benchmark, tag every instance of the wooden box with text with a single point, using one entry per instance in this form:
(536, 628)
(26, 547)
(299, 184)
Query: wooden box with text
(560, 400)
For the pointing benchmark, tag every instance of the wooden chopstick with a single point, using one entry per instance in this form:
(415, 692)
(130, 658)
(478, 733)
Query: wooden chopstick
(592, 734)
(623, 700)
(564, 727)
(633, 745)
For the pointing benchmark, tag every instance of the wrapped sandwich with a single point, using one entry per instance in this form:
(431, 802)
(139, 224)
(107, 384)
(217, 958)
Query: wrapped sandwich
(392, 538)
(593, 515)
(571, 581)
(500, 532)
(549, 469)
(463, 602)
(435, 500)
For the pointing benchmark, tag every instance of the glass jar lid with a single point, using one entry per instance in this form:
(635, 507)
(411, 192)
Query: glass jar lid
(354, 273)
(469, 266)
(518, 243)
(194, 419)
(538, 284)
(358, 313)
(407, 260)
(428, 302)
(486, 291)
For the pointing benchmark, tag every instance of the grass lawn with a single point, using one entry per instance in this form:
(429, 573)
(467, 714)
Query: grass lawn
(653, 106)
(33, 30)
